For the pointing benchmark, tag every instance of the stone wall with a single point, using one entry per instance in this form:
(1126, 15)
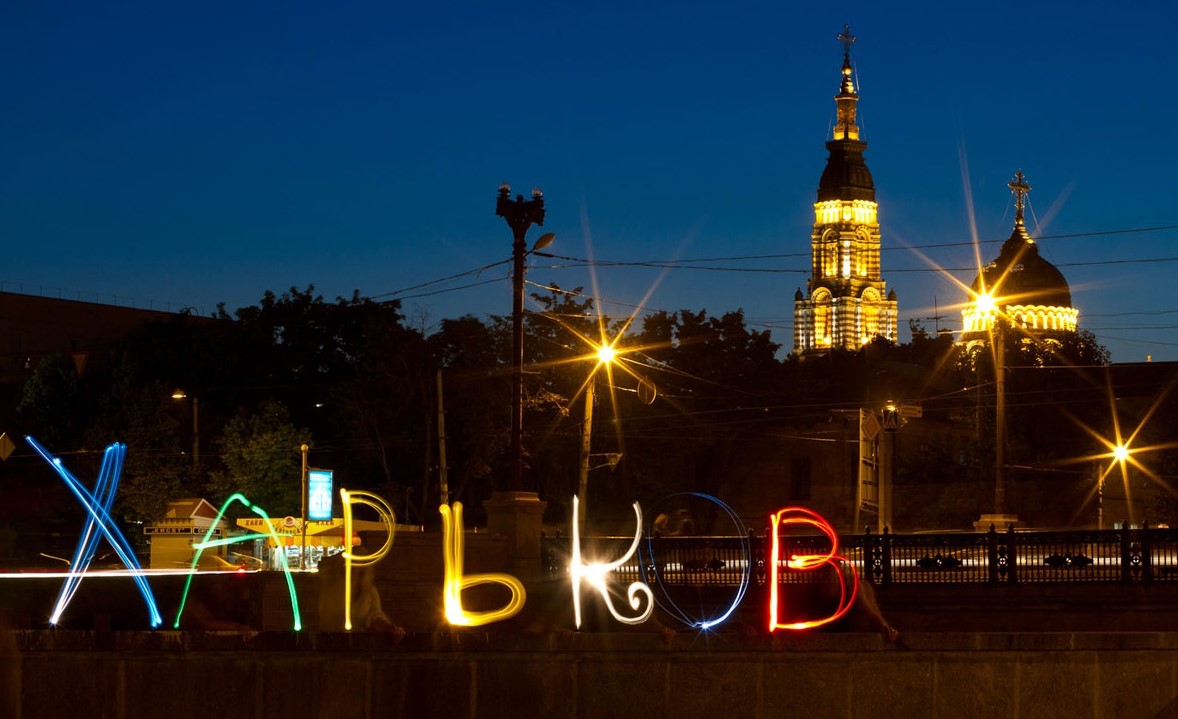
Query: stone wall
(471, 674)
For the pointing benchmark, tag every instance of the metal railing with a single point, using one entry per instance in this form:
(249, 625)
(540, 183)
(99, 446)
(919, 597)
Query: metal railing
(1092, 556)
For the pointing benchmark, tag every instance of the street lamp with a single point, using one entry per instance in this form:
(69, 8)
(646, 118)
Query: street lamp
(1119, 455)
(987, 312)
(605, 356)
(1000, 416)
(180, 394)
(520, 214)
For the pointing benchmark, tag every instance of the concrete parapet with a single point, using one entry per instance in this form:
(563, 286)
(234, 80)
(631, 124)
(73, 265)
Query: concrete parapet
(469, 674)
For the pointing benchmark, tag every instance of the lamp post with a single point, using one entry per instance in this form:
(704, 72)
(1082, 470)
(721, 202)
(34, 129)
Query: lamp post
(1000, 416)
(990, 314)
(605, 356)
(520, 214)
(586, 443)
(181, 394)
(1100, 499)
(1117, 458)
(303, 516)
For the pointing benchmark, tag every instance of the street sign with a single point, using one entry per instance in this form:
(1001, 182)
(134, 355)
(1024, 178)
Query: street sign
(869, 426)
(179, 530)
(6, 446)
(911, 411)
(319, 494)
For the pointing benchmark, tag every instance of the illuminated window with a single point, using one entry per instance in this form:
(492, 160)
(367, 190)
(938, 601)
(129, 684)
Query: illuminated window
(870, 322)
(822, 319)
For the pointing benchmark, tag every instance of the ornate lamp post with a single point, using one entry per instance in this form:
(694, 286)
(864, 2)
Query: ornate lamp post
(518, 514)
(520, 214)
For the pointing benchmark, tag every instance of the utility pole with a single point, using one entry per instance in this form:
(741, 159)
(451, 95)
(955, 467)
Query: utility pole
(586, 440)
(443, 481)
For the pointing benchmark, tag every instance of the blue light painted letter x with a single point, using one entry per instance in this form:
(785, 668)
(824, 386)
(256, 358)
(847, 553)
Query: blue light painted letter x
(98, 506)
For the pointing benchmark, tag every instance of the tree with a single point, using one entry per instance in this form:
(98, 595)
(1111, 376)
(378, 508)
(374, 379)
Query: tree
(384, 404)
(155, 471)
(261, 458)
(53, 404)
(472, 356)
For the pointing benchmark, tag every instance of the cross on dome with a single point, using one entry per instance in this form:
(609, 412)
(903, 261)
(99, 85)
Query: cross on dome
(1020, 188)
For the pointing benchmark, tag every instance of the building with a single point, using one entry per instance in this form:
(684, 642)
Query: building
(847, 306)
(171, 536)
(33, 327)
(1029, 293)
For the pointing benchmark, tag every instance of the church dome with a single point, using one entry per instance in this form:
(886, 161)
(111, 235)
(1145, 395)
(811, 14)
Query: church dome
(1019, 284)
(1022, 277)
(846, 176)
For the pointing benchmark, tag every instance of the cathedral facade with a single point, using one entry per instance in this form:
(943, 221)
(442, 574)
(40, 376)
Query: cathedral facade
(847, 304)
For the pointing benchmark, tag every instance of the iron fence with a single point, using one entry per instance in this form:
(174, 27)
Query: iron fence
(1117, 555)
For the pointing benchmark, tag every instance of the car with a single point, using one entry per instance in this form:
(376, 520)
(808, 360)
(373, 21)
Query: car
(247, 561)
(214, 563)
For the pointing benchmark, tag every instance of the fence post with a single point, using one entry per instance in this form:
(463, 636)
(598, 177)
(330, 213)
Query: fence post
(887, 555)
(992, 554)
(1146, 554)
(1011, 554)
(1126, 553)
(757, 549)
(868, 556)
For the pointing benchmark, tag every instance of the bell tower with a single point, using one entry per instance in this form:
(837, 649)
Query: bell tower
(845, 306)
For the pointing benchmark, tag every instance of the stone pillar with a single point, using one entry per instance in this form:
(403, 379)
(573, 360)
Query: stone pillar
(519, 517)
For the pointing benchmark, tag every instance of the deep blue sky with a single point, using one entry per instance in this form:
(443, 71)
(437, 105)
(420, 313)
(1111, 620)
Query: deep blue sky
(185, 154)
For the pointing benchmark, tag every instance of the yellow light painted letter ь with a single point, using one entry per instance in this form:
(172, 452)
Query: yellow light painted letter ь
(455, 582)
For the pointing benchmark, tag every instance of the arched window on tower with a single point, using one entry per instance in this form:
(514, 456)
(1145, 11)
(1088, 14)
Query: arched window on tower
(828, 250)
(870, 310)
(822, 319)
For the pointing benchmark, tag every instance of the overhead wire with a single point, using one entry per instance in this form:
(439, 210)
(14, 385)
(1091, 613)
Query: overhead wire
(684, 262)
(408, 293)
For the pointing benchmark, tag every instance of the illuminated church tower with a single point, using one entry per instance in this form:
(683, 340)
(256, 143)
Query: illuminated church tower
(847, 306)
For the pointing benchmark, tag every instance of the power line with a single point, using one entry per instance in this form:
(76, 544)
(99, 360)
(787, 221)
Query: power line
(476, 271)
(687, 263)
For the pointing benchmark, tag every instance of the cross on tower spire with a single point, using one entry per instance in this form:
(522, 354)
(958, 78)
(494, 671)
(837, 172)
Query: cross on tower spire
(1020, 188)
(847, 39)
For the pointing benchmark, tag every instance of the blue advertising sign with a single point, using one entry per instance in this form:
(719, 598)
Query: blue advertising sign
(319, 495)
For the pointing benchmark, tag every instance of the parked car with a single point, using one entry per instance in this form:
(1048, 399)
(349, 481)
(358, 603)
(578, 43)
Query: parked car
(214, 563)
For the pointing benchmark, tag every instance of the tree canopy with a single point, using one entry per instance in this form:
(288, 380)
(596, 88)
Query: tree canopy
(350, 379)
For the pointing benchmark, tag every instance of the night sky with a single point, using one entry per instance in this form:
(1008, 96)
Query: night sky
(177, 155)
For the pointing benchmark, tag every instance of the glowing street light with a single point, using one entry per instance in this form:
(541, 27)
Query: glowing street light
(1120, 454)
(180, 394)
(986, 314)
(606, 355)
(1126, 450)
